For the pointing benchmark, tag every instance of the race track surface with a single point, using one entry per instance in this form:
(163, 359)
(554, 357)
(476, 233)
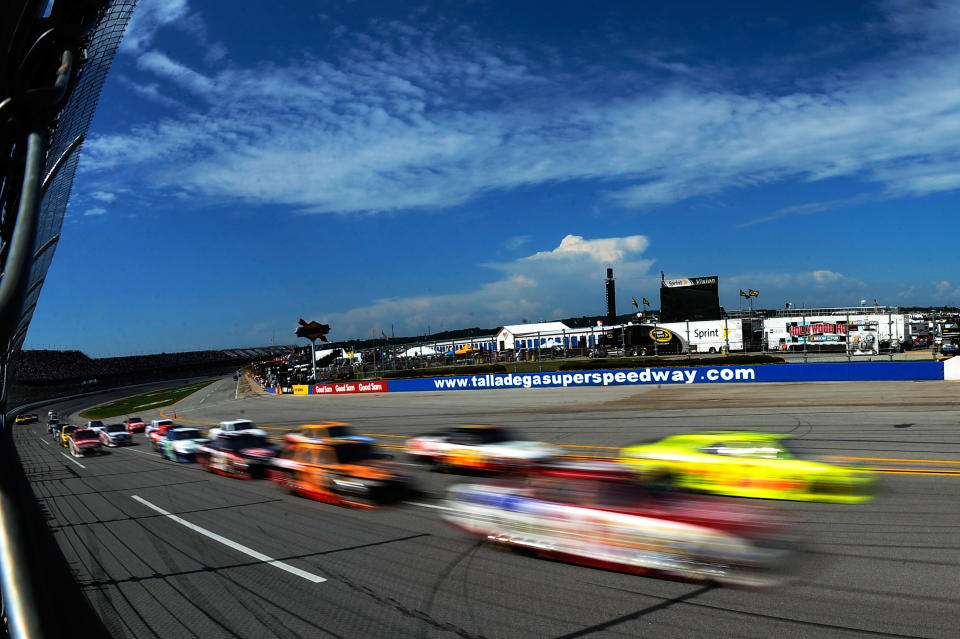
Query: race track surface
(888, 568)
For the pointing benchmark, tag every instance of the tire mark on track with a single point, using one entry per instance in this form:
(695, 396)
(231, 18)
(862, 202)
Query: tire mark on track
(757, 615)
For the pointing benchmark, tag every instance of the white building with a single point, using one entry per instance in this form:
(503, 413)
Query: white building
(548, 335)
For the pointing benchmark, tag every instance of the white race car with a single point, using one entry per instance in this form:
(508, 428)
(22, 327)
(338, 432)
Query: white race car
(180, 444)
(600, 516)
(480, 448)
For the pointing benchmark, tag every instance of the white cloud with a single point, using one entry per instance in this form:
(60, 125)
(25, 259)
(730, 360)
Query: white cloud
(104, 196)
(824, 277)
(96, 210)
(411, 119)
(569, 284)
(605, 250)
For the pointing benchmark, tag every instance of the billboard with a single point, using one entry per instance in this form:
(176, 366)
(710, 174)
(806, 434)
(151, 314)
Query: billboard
(858, 334)
(693, 298)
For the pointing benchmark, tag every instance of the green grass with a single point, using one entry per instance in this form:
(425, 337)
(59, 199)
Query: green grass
(147, 401)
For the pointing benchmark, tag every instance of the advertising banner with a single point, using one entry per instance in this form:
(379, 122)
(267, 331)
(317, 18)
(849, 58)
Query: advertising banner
(351, 387)
(301, 389)
(831, 372)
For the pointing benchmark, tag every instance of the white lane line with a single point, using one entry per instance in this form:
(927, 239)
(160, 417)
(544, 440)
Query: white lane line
(420, 503)
(143, 452)
(43, 441)
(232, 544)
(68, 458)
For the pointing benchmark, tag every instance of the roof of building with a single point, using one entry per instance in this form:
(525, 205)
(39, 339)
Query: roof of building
(541, 327)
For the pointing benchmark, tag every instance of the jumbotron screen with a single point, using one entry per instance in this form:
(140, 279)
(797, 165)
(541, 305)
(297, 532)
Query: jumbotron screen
(694, 299)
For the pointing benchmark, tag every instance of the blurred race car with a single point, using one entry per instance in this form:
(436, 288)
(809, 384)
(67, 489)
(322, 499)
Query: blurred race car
(155, 425)
(747, 464)
(134, 425)
(600, 515)
(115, 435)
(241, 454)
(26, 418)
(157, 430)
(62, 434)
(180, 444)
(478, 447)
(338, 471)
(332, 430)
(84, 441)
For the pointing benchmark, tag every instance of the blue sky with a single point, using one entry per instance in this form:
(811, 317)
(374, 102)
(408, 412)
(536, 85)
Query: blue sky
(459, 164)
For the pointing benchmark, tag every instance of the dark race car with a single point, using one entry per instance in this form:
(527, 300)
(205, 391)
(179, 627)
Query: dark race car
(240, 454)
(600, 515)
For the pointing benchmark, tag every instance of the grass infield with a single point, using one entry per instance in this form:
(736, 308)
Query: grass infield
(147, 401)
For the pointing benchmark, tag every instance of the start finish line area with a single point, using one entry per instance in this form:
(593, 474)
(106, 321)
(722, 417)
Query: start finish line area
(763, 373)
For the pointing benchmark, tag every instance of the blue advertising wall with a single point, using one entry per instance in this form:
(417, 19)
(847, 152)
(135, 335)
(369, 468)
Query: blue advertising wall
(832, 372)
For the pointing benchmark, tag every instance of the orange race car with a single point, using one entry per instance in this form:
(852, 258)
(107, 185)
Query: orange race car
(339, 471)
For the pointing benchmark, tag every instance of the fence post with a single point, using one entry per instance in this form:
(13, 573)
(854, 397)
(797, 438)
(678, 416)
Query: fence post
(846, 340)
(806, 335)
(933, 336)
(890, 333)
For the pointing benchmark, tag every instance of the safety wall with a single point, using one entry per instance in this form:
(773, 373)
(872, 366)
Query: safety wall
(767, 373)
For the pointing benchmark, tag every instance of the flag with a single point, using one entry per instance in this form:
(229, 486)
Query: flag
(634, 300)
(661, 276)
(383, 335)
(646, 302)
(742, 294)
(754, 293)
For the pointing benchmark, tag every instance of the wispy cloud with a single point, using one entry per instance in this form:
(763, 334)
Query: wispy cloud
(104, 196)
(412, 117)
(148, 18)
(516, 242)
(94, 211)
(819, 287)
(179, 74)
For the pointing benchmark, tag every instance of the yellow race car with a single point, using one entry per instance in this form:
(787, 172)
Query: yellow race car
(746, 464)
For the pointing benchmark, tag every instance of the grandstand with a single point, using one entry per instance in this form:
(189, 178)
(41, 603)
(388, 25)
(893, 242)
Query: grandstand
(38, 367)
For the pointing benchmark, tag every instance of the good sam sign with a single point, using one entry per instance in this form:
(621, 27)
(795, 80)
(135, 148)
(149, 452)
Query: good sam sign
(350, 387)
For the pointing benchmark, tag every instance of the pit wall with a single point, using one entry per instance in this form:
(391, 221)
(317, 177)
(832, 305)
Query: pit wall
(767, 373)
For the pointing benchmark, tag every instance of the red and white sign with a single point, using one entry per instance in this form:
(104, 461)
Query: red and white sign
(350, 387)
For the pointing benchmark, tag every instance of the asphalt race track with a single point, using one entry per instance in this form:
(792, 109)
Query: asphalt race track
(244, 558)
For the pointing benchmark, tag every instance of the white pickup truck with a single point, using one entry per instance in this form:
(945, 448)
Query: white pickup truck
(234, 425)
